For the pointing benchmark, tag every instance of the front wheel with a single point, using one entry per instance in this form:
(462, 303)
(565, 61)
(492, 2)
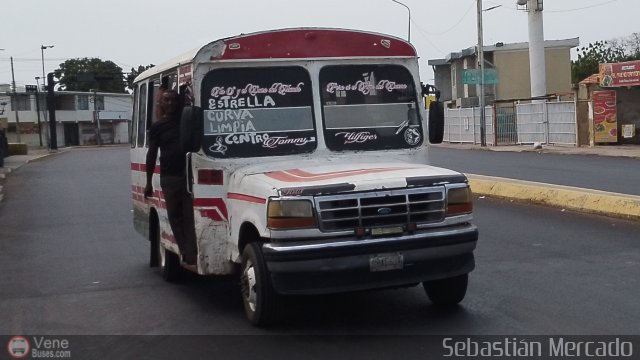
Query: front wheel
(262, 303)
(447, 292)
(169, 264)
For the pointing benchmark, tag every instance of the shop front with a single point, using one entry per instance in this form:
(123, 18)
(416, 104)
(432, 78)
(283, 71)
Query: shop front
(616, 105)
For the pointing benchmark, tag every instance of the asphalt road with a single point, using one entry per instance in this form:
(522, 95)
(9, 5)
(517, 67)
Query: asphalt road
(614, 174)
(72, 264)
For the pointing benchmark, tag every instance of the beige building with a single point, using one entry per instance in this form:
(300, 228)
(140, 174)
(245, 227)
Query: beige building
(76, 114)
(509, 67)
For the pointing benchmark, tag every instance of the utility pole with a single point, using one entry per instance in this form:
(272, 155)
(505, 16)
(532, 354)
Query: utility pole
(15, 104)
(96, 117)
(51, 104)
(38, 112)
(44, 111)
(483, 125)
(537, 67)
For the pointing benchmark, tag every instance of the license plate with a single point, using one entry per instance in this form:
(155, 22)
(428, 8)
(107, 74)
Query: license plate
(386, 262)
(387, 231)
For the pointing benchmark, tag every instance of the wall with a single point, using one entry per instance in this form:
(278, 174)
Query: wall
(513, 68)
(457, 87)
(442, 80)
(515, 80)
(558, 71)
(583, 122)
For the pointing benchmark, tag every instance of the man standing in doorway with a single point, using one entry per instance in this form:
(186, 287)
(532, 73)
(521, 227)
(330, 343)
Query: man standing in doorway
(164, 134)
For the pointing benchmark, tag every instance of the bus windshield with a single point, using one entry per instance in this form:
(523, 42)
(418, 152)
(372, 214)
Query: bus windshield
(369, 107)
(251, 112)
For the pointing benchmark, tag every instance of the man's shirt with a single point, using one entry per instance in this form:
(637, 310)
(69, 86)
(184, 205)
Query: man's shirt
(167, 136)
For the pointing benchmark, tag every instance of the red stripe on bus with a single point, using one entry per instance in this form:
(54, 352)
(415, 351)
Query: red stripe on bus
(216, 203)
(243, 197)
(143, 168)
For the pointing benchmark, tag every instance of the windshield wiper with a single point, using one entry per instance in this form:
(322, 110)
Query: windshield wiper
(402, 126)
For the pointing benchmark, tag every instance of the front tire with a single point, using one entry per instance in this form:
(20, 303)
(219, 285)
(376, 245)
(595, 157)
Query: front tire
(262, 304)
(447, 292)
(169, 264)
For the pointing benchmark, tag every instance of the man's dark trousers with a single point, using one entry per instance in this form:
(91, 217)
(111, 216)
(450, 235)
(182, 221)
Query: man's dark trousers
(180, 213)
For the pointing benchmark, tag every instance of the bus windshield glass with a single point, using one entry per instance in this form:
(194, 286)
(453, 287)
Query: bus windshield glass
(369, 107)
(251, 112)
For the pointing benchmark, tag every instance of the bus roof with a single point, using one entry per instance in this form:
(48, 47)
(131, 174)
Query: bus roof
(297, 43)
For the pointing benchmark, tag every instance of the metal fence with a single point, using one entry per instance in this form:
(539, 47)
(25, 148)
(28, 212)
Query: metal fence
(506, 124)
(547, 123)
(463, 125)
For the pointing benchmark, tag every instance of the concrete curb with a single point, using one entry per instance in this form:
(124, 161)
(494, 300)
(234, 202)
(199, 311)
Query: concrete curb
(567, 197)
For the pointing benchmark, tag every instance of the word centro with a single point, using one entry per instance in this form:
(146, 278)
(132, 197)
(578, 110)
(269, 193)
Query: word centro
(265, 139)
(556, 347)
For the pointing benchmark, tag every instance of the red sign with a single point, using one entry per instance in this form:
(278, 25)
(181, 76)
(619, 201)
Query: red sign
(620, 74)
(605, 120)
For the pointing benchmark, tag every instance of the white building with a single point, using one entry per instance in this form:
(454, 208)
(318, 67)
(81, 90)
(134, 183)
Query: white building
(75, 114)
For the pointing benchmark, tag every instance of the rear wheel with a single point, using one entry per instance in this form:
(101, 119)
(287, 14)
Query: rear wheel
(262, 304)
(169, 264)
(447, 292)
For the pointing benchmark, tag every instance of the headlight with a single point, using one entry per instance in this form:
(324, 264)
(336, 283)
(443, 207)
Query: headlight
(290, 214)
(459, 201)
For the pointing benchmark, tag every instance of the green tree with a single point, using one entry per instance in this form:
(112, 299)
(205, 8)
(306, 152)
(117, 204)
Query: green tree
(90, 73)
(135, 72)
(590, 57)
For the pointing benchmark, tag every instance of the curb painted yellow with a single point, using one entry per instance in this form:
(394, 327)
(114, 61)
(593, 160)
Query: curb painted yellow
(567, 197)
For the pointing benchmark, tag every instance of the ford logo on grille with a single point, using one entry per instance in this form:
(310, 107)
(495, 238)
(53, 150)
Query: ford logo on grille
(384, 211)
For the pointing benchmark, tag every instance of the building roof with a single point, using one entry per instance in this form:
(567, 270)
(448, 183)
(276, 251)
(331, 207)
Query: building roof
(499, 47)
(593, 79)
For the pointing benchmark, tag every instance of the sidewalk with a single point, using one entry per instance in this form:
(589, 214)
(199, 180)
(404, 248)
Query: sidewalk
(632, 151)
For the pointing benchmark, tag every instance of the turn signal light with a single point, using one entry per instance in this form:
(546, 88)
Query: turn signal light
(290, 214)
(459, 201)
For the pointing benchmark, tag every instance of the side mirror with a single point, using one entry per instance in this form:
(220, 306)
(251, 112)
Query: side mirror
(436, 122)
(191, 128)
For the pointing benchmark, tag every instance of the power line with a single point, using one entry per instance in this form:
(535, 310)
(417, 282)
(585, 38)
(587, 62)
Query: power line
(582, 8)
(455, 25)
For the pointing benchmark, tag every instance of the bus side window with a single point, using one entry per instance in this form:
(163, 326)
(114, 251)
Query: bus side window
(170, 81)
(133, 126)
(142, 114)
(166, 82)
(152, 116)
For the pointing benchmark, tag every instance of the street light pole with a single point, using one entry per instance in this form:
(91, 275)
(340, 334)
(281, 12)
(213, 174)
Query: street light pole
(42, 48)
(409, 10)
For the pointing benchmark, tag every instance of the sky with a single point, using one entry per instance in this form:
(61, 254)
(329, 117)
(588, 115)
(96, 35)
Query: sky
(141, 32)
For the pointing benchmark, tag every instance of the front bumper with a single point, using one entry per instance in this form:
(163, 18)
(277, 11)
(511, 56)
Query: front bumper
(340, 265)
